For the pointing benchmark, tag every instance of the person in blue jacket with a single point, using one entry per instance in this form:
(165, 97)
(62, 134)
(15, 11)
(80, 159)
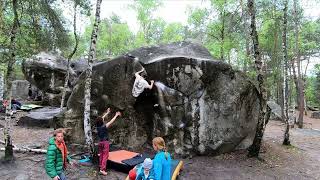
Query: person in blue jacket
(161, 161)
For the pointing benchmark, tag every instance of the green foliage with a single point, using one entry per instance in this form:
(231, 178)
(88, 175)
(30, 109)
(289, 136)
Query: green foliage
(41, 28)
(270, 39)
(155, 32)
(313, 87)
(310, 37)
(140, 39)
(217, 27)
(148, 24)
(197, 23)
(144, 9)
(224, 29)
(252, 75)
(173, 32)
(84, 5)
(316, 85)
(18, 73)
(115, 38)
(311, 91)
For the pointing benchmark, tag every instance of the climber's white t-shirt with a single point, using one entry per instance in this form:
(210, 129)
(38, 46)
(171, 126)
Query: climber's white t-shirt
(139, 85)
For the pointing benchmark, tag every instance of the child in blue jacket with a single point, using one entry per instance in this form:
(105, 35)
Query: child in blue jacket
(146, 171)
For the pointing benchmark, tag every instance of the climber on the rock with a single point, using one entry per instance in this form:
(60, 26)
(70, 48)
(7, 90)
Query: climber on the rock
(141, 83)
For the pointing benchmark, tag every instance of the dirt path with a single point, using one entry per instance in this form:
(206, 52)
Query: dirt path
(300, 161)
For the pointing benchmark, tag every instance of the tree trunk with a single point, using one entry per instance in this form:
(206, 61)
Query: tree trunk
(70, 56)
(295, 79)
(87, 89)
(1, 15)
(23, 150)
(290, 87)
(300, 81)
(222, 40)
(297, 56)
(286, 140)
(301, 103)
(304, 86)
(9, 79)
(110, 40)
(255, 147)
(244, 15)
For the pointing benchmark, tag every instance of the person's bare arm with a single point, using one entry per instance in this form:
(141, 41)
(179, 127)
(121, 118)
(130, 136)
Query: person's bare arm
(105, 114)
(151, 85)
(137, 74)
(113, 119)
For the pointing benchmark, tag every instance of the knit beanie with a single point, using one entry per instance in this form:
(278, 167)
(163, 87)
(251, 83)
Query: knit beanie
(147, 163)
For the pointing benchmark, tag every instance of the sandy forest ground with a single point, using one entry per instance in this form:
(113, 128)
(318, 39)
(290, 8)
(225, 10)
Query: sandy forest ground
(299, 161)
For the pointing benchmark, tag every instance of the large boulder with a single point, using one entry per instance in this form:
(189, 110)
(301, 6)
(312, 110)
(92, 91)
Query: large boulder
(47, 72)
(199, 105)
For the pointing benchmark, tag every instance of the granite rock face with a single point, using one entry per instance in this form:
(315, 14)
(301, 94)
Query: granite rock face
(199, 105)
(47, 72)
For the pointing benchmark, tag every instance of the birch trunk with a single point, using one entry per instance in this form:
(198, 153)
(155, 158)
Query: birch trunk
(9, 79)
(255, 147)
(222, 31)
(87, 89)
(295, 79)
(23, 150)
(222, 38)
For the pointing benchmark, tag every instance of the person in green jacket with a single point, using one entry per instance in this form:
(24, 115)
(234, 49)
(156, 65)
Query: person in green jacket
(57, 156)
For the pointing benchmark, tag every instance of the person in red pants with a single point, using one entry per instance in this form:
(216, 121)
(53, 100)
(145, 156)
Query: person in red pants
(102, 129)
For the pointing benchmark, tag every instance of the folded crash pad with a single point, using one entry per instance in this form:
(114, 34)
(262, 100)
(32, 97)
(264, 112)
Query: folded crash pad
(137, 159)
(28, 107)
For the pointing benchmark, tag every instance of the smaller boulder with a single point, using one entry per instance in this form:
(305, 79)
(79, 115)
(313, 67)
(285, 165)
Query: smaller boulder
(39, 118)
(315, 114)
(20, 89)
(313, 108)
(275, 110)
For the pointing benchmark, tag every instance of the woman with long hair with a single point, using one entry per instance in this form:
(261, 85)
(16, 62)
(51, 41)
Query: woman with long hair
(162, 160)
